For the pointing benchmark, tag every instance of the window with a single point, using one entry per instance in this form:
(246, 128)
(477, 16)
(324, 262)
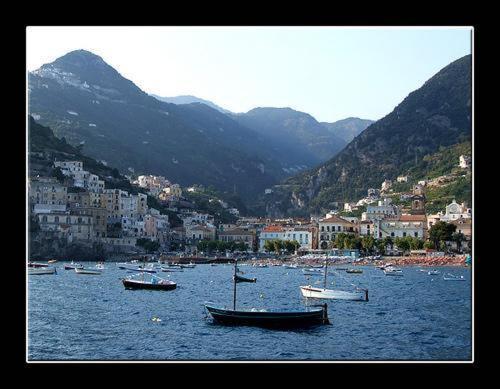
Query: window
(416, 234)
(392, 233)
(56, 219)
(404, 233)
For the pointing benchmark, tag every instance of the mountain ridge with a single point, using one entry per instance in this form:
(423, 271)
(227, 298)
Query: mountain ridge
(437, 114)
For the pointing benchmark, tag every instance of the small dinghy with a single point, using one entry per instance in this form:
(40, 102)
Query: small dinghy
(188, 266)
(451, 277)
(41, 271)
(393, 272)
(245, 279)
(82, 270)
(433, 272)
(171, 269)
(52, 261)
(72, 266)
(155, 283)
(37, 264)
(354, 271)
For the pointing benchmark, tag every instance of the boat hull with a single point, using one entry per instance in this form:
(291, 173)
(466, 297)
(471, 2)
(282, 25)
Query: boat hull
(300, 319)
(320, 293)
(131, 284)
(87, 271)
(41, 271)
(393, 273)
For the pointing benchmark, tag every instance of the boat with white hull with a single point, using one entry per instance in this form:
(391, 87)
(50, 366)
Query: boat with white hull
(81, 270)
(42, 270)
(332, 294)
(322, 293)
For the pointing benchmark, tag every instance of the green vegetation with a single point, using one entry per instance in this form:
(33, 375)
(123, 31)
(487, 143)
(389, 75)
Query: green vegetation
(149, 245)
(279, 246)
(442, 232)
(436, 115)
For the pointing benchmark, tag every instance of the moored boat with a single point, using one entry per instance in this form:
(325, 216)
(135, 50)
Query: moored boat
(155, 283)
(41, 271)
(451, 277)
(245, 279)
(354, 271)
(37, 264)
(322, 293)
(391, 271)
(270, 319)
(72, 266)
(82, 270)
(267, 318)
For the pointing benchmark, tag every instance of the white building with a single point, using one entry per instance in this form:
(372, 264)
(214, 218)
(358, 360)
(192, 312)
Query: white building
(464, 161)
(330, 227)
(453, 211)
(402, 179)
(383, 209)
(386, 185)
(69, 167)
(301, 235)
(401, 226)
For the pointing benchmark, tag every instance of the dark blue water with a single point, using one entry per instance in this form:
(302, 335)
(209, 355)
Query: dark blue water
(84, 317)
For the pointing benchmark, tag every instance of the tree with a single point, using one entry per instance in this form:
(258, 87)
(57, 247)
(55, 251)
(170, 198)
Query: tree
(429, 245)
(402, 243)
(458, 237)
(278, 246)
(368, 242)
(441, 232)
(269, 245)
(340, 240)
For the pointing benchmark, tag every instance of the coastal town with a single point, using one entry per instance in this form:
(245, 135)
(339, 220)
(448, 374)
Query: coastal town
(76, 208)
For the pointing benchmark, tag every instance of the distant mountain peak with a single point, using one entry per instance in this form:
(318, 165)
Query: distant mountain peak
(190, 99)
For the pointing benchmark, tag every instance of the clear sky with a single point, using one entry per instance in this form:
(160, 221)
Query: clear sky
(331, 73)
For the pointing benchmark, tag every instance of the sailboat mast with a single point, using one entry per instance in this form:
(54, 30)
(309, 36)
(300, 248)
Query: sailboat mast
(326, 271)
(234, 290)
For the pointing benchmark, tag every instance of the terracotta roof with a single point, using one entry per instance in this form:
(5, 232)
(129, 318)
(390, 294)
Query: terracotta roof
(413, 218)
(335, 219)
(273, 229)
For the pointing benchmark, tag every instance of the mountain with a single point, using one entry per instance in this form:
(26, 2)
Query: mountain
(296, 131)
(188, 99)
(348, 129)
(436, 115)
(44, 148)
(89, 103)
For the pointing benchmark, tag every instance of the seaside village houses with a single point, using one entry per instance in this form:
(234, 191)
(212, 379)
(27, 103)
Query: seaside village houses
(83, 210)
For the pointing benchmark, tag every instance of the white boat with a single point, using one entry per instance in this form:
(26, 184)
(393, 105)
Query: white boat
(41, 270)
(82, 270)
(393, 272)
(72, 266)
(324, 293)
(451, 277)
(433, 272)
(100, 266)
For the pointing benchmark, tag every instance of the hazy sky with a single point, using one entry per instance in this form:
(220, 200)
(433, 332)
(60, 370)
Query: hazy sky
(331, 73)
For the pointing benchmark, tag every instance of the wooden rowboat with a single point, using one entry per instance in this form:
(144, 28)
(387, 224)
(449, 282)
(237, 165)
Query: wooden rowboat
(270, 319)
